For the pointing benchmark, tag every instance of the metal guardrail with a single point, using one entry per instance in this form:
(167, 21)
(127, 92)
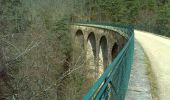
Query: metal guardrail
(113, 83)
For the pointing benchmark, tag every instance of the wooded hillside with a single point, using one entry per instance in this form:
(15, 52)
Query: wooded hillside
(35, 47)
(149, 15)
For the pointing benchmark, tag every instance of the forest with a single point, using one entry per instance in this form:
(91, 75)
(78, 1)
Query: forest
(35, 47)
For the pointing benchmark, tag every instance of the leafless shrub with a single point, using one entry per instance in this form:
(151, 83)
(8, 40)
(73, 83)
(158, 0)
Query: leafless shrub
(36, 52)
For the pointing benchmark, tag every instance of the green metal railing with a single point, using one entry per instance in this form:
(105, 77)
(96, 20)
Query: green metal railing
(113, 83)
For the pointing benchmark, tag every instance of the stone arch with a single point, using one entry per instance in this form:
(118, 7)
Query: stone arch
(79, 38)
(121, 41)
(103, 54)
(91, 54)
(114, 51)
(78, 45)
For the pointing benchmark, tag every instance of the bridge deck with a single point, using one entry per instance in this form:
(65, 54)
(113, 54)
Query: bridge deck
(139, 87)
(158, 50)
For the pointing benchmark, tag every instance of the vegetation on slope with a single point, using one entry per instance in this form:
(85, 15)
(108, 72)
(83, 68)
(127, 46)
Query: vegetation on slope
(36, 50)
(148, 15)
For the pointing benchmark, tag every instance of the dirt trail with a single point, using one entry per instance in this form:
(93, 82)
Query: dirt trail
(158, 50)
(139, 87)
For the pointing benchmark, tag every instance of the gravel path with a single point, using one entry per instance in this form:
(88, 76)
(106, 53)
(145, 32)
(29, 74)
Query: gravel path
(139, 87)
(158, 50)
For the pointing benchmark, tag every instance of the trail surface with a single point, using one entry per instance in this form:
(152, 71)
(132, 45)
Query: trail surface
(139, 87)
(158, 50)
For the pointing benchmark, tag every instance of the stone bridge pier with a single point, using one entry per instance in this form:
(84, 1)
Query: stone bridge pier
(99, 45)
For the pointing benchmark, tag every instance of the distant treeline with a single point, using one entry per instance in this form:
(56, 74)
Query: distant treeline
(148, 15)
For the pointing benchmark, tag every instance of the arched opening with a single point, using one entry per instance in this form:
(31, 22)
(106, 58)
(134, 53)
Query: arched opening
(78, 45)
(79, 39)
(103, 55)
(121, 41)
(91, 54)
(114, 50)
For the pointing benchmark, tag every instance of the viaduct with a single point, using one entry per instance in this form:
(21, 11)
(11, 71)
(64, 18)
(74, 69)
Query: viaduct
(101, 46)
(108, 54)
